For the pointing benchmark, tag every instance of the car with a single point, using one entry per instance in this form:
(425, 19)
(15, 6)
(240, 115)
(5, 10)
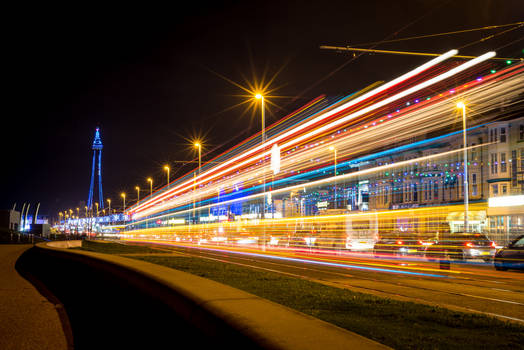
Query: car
(400, 246)
(462, 246)
(511, 257)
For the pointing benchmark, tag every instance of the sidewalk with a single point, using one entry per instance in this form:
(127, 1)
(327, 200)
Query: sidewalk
(27, 319)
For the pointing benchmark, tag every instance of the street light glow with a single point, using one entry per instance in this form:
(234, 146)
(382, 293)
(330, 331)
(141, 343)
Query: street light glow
(461, 105)
(259, 96)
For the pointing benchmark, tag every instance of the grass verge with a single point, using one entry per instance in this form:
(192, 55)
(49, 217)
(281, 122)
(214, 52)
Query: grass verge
(117, 248)
(399, 324)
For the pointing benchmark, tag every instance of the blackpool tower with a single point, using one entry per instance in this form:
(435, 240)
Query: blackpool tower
(97, 146)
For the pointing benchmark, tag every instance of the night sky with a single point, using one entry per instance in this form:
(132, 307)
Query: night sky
(148, 77)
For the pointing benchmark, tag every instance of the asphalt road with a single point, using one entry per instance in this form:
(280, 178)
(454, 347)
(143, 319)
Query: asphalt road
(471, 286)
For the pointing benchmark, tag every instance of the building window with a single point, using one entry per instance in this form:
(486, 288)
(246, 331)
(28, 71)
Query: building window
(522, 159)
(435, 190)
(504, 189)
(415, 193)
(493, 135)
(495, 190)
(425, 192)
(474, 184)
(521, 132)
(494, 167)
(514, 168)
(503, 166)
(503, 135)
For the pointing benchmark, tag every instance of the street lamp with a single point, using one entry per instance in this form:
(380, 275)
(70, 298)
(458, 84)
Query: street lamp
(96, 204)
(461, 105)
(123, 195)
(137, 194)
(259, 96)
(199, 146)
(334, 150)
(109, 210)
(166, 168)
(150, 180)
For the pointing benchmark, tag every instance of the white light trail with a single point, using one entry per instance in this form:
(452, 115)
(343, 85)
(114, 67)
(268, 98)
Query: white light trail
(351, 103)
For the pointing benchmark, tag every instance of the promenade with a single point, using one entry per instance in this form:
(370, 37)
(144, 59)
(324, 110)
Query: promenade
(29, 320)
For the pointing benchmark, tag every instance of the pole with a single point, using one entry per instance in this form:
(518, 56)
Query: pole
(199, 158)
(263, 170)
(335, 192)
(194, 194)
(466, 186)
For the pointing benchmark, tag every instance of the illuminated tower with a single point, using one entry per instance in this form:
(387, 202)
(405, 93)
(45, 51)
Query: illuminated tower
(97, 146)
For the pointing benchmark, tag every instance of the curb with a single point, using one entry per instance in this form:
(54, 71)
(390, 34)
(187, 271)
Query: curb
(219, 310)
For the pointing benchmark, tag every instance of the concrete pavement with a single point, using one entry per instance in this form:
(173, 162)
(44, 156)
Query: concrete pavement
(27, 319)
(219, 312)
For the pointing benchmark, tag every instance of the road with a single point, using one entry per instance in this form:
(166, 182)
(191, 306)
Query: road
(472, 286)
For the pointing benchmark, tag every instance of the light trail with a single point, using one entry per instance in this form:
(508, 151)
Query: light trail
(320, 182)
(331, 125)
(314, 262)
(483, 102)
(351, 103)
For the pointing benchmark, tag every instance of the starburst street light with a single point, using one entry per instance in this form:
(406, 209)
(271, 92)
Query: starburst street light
(198, 145)
(150, 180)
(137, 194)
(166, 168)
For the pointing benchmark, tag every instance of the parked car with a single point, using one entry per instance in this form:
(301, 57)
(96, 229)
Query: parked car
(401, 246)
(511, 257)
(462, 246)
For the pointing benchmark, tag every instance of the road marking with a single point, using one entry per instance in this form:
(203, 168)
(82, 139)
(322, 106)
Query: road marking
(492, 299)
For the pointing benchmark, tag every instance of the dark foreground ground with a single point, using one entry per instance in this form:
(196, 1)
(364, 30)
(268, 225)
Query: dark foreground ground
(108, 308)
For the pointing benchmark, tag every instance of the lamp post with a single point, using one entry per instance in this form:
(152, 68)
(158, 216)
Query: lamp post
(123, 195)
(137, 194)
(462, 106)
(259, 96)
(109, 210)
(60, 218)
(150, 180)
(86, 223)
(334, 150)
(166, 168)
(199, 146)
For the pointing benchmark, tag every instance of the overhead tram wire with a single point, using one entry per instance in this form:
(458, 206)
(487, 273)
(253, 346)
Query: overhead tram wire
(516, 24)
(410, 53)
(330, 74)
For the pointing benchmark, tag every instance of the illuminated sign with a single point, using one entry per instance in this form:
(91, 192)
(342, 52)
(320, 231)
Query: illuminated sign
(275, 159)
(506, 201)
(322, 205)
